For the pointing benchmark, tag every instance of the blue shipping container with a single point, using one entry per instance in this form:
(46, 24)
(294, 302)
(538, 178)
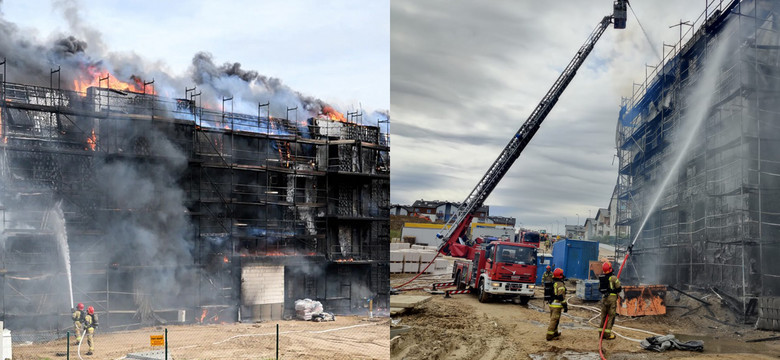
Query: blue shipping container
(574, 256)
(541, 265)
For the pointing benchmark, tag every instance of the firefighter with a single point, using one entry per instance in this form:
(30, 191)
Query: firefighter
(609, 285)
(78, 319)
(547, 277)
(90, 323)
(558, 304)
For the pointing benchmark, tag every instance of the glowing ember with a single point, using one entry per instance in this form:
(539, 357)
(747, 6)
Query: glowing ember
(226, 260)
(333, 114)
(92, 141)
(346, 260)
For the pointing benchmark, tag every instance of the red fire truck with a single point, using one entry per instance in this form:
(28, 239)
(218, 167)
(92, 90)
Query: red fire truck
(499, 269)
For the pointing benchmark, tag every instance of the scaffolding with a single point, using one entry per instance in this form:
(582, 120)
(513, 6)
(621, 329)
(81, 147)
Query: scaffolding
(716, 224)
(252, 189)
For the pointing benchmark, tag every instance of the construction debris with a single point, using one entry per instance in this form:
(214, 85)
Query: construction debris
(663, 343)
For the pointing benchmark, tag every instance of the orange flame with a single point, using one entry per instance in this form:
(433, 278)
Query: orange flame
(203, 315)
(92, 78)
(333, 114)
(225, 259)
(92, 141)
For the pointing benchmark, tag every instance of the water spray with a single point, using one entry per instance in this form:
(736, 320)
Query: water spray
(701, 110)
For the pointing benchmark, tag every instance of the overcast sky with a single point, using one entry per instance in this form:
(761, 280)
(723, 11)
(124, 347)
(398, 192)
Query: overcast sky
(338, 52)
(466, 75)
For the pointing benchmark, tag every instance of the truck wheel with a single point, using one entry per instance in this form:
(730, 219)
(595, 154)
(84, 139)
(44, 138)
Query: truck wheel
(524, 300)
(483, 295)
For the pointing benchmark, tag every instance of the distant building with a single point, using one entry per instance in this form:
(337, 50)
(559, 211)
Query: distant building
(575, 231)
(602, 223)
(443, 210)
(400, 210)
(501, 220)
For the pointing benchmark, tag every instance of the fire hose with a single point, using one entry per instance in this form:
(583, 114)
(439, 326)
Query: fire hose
(78, 350)
(597, 310)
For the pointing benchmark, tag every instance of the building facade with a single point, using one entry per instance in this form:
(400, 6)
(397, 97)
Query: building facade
(714, 224)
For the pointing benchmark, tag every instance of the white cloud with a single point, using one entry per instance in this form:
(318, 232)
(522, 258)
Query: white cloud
(466, 75)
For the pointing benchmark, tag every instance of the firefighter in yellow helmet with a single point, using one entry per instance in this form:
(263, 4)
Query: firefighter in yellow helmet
(78, 320)
(609, 285)
(90, 323)
(557, 305)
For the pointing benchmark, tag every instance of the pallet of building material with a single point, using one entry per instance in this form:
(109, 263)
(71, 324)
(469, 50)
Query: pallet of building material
(306, 308)
(399, 246)
(441, 264)
(426, 257)
(412, 267)
(588, 290)
(768, 313)
(396, 256)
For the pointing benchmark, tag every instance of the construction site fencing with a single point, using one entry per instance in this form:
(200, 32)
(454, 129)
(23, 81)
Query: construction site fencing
(345, 337)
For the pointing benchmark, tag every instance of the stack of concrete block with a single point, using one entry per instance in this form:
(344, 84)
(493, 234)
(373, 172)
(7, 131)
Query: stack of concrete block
(411, 261)
(414, 260)
(399, 246)
(396, 261)
(768, 313)
(441, 265)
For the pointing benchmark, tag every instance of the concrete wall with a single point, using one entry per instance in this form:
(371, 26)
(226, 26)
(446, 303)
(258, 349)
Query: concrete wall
(262, 289)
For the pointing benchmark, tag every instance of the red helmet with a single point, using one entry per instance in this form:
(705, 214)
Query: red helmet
(548, 267)
(90, 310)
(558, 273)
(607, 267)
(80, 306)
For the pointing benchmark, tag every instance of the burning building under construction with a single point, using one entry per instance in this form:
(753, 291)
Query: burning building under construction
(162, 210)
(715, 225)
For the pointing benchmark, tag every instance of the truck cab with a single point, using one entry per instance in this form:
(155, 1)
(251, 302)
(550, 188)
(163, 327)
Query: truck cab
(499, 269)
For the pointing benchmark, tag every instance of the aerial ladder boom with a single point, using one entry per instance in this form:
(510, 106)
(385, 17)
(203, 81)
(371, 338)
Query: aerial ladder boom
(457, 223)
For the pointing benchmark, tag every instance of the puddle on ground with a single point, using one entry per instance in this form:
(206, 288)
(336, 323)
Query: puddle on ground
(726, 345)
(566, 355)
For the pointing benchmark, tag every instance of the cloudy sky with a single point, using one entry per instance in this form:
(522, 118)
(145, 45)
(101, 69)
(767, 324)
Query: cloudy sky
(339, 52)
(466, 75)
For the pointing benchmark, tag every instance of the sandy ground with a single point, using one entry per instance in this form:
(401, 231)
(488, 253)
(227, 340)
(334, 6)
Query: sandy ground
(463, 328)
(349, 337)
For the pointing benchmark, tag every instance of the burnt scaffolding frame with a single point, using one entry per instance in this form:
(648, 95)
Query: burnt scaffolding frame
(712, 225)
(213, 156)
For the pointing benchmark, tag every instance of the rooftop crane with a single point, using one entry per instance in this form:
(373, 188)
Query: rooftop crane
(457, 224)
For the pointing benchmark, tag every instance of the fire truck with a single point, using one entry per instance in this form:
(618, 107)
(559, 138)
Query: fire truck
(503, 268)
(498, 269)
(532, 238)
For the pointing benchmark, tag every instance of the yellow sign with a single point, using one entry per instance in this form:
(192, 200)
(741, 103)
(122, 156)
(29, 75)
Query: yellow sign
(157, 340)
